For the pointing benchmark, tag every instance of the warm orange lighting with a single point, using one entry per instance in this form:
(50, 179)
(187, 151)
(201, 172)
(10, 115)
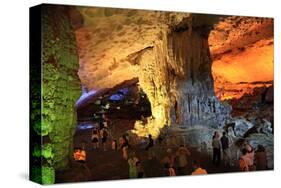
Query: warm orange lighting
(234, 72)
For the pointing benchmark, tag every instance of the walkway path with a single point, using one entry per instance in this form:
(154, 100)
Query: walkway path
(109, 165)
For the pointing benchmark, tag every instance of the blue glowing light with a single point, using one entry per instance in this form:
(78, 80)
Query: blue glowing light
(86, 125)
(116, 97)
(85, 95)
(120, 95)
(125, 91)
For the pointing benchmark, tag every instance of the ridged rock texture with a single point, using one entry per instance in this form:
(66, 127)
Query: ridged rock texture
(60, 91)
(167, 52)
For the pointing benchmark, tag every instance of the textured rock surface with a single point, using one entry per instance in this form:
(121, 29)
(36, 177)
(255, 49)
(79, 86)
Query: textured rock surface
(169, 54)
(241, 126)
(61, 84)
(198, 136)
(236, 32)
(242, 51)
(257, 97)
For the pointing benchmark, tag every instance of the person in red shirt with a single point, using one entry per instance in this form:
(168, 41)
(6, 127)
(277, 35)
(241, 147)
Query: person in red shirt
(79, 155)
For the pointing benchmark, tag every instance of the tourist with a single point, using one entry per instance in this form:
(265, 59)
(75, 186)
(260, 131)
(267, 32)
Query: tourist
(182, 159)
(233, 149)
(197, 169)
(127, 137)
(216, 144)
(225, 149)
(101, 125)
(114, 144)
(244, 161)
(104, 134)
(149, 147)
(124, 147)
(160, 139)
(251, 157)
(132, 161)
(140, 170)
(203, 147)
(121, 141)
(169, 159)
(79, 155)
(260, 158)
(105, 120)
(95, 138)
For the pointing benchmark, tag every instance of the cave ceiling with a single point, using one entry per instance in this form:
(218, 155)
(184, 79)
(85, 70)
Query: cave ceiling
(242, 49)
(107, 38)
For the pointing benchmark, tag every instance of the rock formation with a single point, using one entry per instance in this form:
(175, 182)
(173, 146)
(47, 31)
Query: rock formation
(55, 121)
(167, 52)
(187, 65)
(242, 53)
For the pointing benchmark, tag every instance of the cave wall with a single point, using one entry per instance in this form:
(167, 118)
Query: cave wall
(176, 75)
(242, 50)
(60, 86)
(194, 90)
(168, 52)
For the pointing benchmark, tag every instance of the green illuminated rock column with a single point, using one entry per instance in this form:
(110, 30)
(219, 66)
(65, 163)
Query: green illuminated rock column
(60, 90)
(61, 84)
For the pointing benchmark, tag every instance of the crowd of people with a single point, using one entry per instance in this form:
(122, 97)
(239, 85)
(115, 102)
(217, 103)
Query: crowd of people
(249, 158)
(176, 160)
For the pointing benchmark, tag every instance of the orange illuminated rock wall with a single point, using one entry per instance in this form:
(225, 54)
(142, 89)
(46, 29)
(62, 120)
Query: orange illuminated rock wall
(242, 52)
(240, 72)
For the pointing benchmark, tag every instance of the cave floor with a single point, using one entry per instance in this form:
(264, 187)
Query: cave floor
(109, 165)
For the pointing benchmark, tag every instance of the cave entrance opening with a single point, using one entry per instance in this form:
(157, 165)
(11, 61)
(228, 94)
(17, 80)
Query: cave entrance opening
(120, 107)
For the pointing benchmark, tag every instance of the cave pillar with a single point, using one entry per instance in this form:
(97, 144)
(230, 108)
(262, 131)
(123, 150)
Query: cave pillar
(176, 75)
(60, 84)
(194, 88)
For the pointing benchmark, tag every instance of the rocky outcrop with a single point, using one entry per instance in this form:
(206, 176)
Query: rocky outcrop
(169, 54)
(181, 85)
(254, 130)
(241, 126)
(259, 96)
(238, 32)
(60, 83)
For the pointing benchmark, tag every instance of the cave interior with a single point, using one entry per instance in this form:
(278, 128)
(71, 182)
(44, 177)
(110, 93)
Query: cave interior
(175, 76)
